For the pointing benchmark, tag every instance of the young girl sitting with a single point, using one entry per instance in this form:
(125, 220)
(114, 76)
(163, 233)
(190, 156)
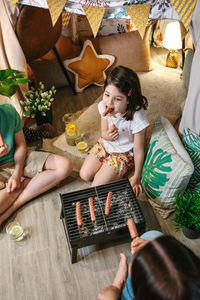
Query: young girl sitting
(123, 123)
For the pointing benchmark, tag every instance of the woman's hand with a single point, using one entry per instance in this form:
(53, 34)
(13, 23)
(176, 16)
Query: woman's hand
(136, 185)
(136, 244)
(113, 133)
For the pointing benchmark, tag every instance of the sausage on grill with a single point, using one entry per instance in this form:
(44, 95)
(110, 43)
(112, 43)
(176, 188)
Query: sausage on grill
(108, 201)
(91, 206)
(78, 214)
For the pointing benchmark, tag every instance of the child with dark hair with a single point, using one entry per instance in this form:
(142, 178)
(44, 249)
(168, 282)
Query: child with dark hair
(22, 176)
(123, 123)
(160, 269)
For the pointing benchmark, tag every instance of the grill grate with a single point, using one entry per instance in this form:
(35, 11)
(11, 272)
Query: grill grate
(124, 205)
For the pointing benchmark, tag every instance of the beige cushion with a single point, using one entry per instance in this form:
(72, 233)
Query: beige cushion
(167, 168)
(89, 67)
(128, 48)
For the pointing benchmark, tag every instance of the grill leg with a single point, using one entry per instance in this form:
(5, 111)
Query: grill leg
(74, 255)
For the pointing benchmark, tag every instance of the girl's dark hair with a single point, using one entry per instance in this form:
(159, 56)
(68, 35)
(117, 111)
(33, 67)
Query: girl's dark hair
(128, 82)
(166, 270)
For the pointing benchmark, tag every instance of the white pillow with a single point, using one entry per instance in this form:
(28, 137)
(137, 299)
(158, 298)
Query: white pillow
(167, 168)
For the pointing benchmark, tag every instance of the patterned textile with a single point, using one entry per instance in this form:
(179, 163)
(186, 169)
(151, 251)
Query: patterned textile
(120, 162)
(191, 142)
(167, 168)
(160, 9)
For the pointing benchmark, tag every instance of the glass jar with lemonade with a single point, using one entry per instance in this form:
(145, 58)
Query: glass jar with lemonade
(71, 133)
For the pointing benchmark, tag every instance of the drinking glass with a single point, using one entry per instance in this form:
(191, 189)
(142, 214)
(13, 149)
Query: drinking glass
(16, 231)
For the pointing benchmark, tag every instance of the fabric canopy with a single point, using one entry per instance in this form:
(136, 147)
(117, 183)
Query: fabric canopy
(114, 9)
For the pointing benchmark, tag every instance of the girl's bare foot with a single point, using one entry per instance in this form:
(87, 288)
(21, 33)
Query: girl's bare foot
(122, 272)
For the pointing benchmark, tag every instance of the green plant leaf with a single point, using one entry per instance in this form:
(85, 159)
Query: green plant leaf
(9, 83)
(187, 210)
(8, 90)
(155, 171)
(4, 74)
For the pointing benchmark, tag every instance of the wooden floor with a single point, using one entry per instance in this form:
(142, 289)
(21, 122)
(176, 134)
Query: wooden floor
(40, 267)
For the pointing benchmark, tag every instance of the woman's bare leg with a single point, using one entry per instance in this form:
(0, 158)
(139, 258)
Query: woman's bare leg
(56, 168)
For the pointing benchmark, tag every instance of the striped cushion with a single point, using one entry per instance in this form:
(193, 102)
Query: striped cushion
(191, 142)
(167, 168)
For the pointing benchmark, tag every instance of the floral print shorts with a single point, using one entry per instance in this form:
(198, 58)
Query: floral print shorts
(120, 162)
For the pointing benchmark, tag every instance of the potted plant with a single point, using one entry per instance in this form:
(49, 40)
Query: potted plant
(37, 104)
(10, 79)
(187, 213)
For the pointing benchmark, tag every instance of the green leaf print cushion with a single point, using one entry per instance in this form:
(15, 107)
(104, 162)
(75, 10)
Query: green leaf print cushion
(197, 188)
(191, 142)
(167, 168)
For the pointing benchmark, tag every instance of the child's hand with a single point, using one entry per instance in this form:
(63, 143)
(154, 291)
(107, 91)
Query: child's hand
(136, 244)
(136, 185)
(113, 133)
(3, 147)
(13, 183)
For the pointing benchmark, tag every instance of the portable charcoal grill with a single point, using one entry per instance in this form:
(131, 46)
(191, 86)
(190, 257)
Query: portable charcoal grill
(111, 228)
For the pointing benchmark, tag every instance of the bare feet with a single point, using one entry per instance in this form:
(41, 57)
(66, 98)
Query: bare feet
(122, 272)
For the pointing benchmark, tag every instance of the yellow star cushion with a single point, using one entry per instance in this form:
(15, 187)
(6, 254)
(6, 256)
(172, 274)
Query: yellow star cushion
(89, 67)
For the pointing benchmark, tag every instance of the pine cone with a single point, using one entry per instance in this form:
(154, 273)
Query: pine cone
(43, 131)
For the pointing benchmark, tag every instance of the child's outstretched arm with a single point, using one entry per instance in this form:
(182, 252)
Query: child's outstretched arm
(19, 157)
(108, 133)
(138, 151)
(113, 292)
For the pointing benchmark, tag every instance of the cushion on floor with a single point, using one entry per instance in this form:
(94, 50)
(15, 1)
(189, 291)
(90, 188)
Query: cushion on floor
(89, 67)
(191, 142)
(167, 168)
(129, 49)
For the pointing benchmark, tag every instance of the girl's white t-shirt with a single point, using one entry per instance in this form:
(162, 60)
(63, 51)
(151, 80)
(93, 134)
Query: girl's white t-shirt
(126, 129)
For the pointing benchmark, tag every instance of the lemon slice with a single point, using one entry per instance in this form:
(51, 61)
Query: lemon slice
(70, 132)
(82, 146)
(16, 230)
(71, 129)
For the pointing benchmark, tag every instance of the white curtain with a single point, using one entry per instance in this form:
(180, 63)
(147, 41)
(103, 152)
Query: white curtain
(11, 54)
(191, 113)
